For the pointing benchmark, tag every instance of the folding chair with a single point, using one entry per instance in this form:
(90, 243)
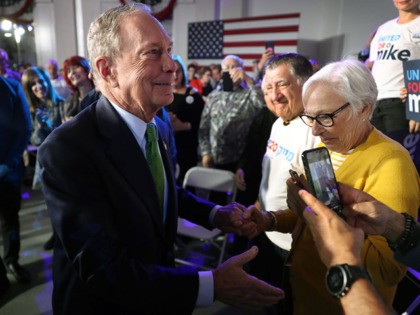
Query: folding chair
(205, 180)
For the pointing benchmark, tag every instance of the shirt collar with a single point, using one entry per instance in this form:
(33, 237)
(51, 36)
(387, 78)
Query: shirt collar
(135, 124)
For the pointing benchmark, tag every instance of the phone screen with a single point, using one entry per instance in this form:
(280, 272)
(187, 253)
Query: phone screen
(321, 178)
(227, 82)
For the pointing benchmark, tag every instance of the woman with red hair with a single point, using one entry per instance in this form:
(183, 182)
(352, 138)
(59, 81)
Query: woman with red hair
(76, 74)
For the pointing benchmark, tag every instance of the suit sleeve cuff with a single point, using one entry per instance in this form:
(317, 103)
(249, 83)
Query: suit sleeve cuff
(213, 213)
(205, 288)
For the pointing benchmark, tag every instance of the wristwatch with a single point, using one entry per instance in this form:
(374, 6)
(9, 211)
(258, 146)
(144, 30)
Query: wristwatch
(340, 278)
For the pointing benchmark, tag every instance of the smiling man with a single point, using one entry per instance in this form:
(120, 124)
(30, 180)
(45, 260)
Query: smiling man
(110, 189)
(284, 77)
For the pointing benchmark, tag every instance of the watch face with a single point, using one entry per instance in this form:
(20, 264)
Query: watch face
(336, 280)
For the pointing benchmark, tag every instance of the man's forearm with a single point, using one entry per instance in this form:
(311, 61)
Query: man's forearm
(363, 299)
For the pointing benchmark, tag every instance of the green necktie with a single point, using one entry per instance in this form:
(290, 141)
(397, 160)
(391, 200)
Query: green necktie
(155, 162)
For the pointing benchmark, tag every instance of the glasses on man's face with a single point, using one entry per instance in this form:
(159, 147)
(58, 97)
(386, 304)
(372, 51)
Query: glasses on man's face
(325, 120)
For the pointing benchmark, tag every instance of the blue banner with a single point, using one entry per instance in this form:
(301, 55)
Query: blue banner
(412, 83)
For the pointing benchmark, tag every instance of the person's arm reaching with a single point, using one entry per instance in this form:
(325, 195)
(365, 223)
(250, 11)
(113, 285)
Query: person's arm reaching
(338, 243)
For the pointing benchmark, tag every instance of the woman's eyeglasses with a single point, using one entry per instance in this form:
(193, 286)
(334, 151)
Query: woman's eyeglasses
(325, 120)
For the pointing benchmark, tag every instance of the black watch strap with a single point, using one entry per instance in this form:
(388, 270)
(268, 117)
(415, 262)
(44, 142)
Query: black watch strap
(340, 278)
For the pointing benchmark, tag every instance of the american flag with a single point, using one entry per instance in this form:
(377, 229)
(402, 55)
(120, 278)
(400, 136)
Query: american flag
(210, 41)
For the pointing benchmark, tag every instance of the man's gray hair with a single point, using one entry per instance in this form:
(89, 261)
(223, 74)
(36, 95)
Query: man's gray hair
(103, 36)
(351, 80)
(238, 60)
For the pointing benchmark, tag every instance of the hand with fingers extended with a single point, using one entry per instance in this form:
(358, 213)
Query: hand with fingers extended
(233, 286)
(336, 241)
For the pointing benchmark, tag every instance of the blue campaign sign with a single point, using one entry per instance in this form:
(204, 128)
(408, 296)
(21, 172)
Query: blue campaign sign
(412, 83)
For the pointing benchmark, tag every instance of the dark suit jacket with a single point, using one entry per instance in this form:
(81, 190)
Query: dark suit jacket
(114, 255)
(15, 128)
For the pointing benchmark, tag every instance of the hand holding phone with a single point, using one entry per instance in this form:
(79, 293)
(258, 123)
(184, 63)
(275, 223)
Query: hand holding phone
(227, 81)
(296, 179)
(321, 178)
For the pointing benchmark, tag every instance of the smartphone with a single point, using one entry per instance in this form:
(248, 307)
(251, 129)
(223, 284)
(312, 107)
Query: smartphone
(321, 178)
(269, 44)
(227, 82)
(296, 178)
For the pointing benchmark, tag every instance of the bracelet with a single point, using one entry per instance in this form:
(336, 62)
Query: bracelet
(273, 226)
(406, 241)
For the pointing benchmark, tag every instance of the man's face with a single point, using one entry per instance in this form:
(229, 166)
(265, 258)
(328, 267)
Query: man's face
(229, 64)
(52, 70)
(216, 74)
(283, 90)
(144, 70)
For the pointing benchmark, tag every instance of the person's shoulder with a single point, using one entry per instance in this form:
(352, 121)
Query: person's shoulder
(387, 24)
(380, 144)
(9, 86)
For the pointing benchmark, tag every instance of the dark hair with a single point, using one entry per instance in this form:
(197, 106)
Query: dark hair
(192, 65)
(75, 61)
(299, 65)
(217, 66)
(203, 70)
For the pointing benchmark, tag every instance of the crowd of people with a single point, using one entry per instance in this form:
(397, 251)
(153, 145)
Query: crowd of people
(115, 139)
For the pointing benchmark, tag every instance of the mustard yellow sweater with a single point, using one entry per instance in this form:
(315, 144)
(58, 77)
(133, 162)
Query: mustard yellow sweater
(384, 169)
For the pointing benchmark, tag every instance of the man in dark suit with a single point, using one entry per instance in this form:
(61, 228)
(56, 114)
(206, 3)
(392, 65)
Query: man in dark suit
(15, 130)
(114, 253)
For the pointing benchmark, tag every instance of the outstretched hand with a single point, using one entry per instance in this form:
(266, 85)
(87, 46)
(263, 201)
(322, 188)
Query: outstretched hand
(233, 286)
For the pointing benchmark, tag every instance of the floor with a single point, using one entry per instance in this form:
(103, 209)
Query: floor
(35, 298)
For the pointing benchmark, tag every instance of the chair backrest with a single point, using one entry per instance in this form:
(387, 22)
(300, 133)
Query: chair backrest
(211, 179)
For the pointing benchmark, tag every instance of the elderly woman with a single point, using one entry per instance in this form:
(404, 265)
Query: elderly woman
(338, 102)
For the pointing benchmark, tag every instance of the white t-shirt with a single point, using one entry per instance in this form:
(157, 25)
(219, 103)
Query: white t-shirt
(393, 44)
(284, 150)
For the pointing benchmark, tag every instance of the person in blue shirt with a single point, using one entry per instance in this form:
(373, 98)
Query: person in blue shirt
(15, 130)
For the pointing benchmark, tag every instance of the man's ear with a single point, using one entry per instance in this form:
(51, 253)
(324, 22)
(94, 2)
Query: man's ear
(106, 71)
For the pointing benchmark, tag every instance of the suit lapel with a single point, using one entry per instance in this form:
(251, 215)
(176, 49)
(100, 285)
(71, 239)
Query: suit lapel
(126, 155)
(172, 209)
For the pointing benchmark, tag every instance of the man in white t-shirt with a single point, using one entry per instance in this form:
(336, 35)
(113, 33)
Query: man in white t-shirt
(284, 77)
(395, 41)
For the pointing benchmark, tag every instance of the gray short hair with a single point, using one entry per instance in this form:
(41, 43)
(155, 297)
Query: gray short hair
(238, 60)
(103, 37)
(350, 79)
